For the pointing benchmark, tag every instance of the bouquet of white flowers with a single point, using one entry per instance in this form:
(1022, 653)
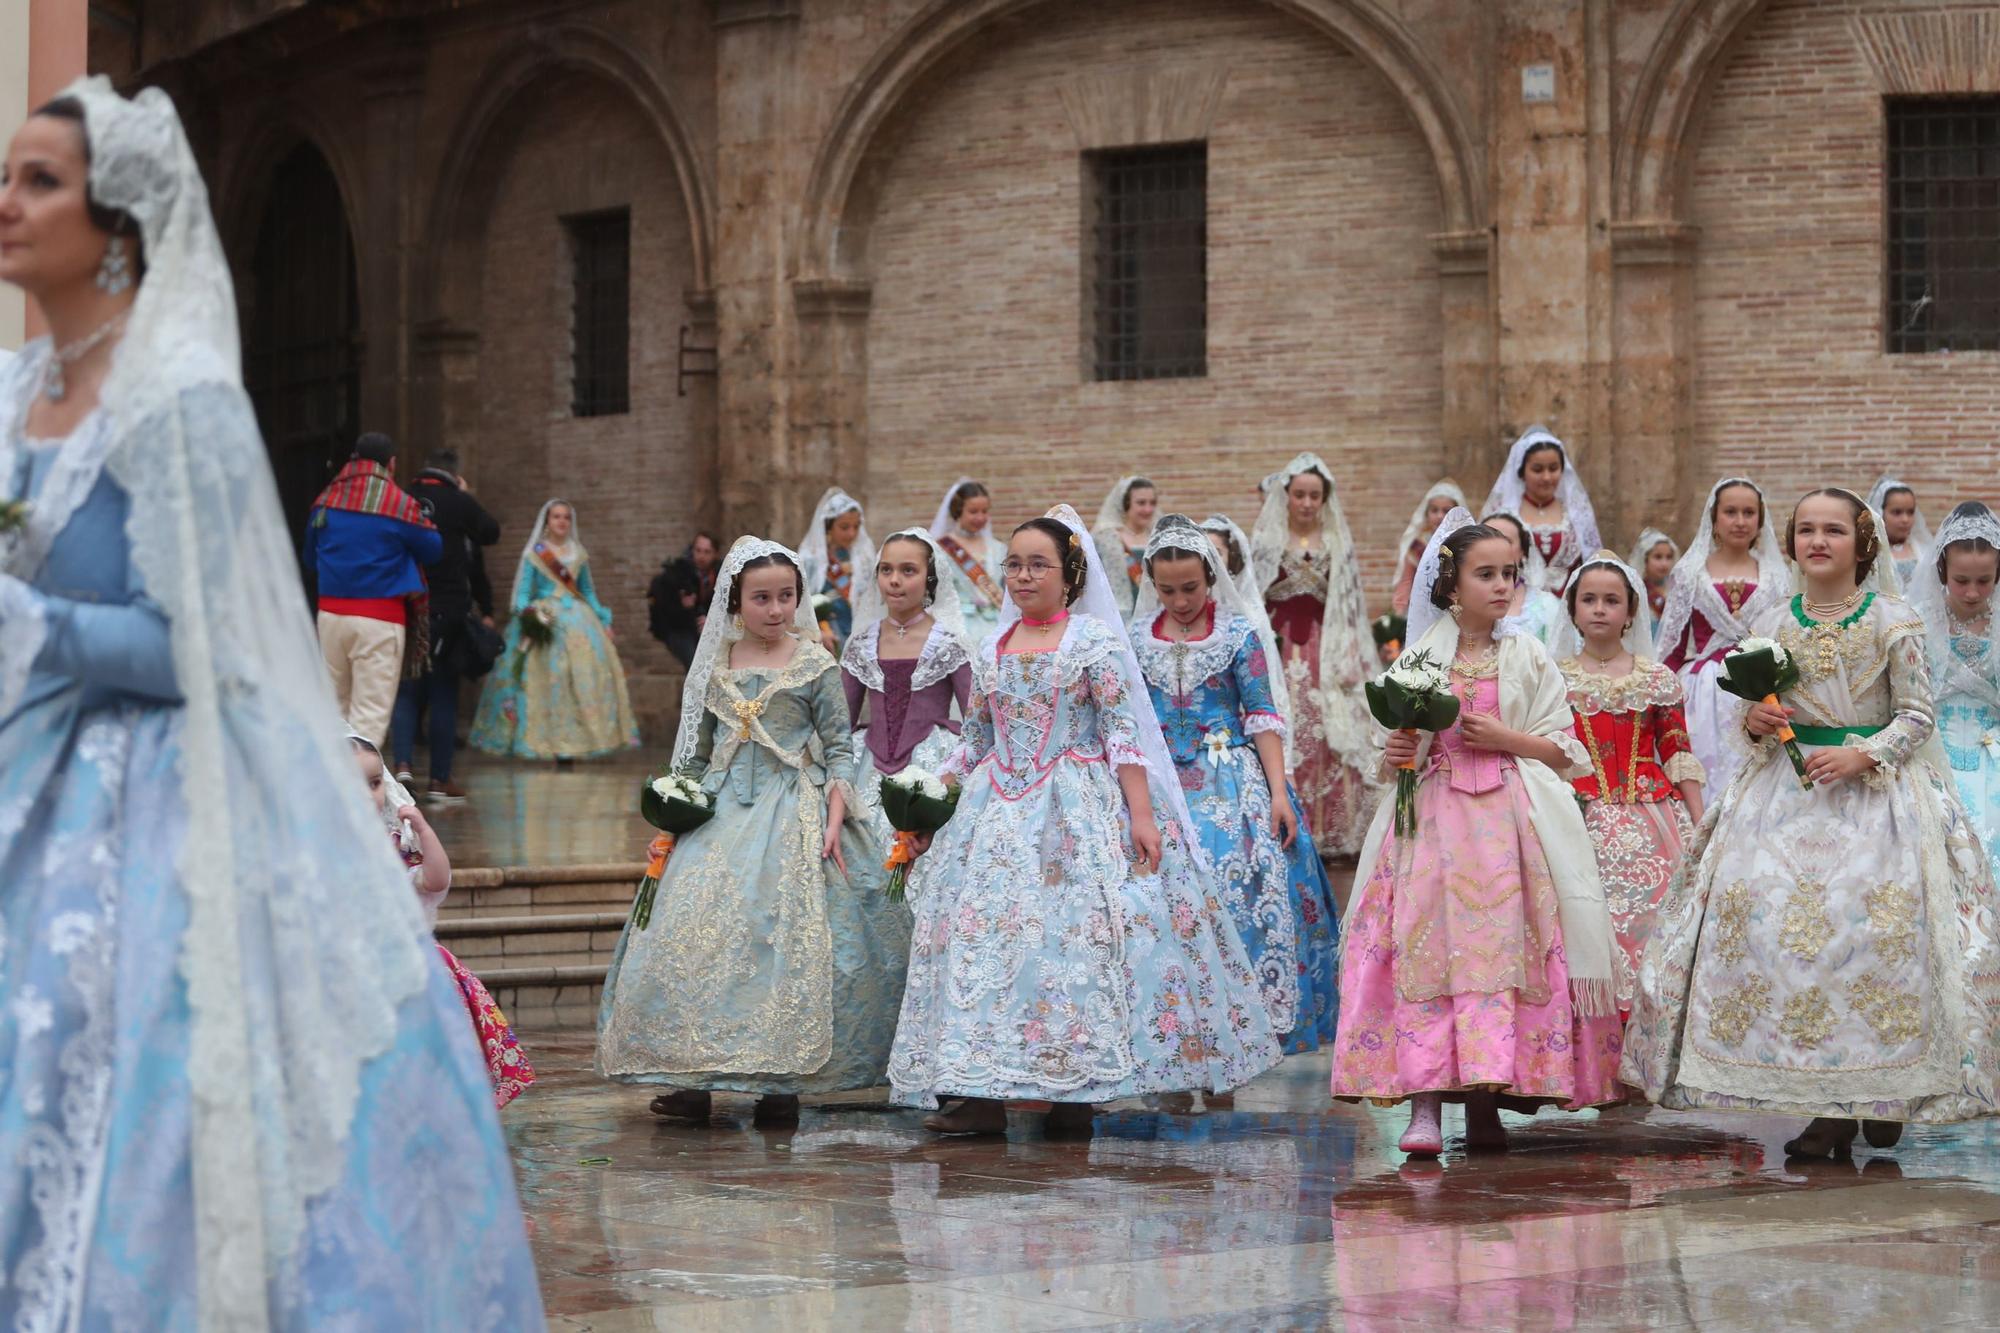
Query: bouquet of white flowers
(1413, 695)
(1760, 670)
(538, 630)
(673, 803)
(916, 801)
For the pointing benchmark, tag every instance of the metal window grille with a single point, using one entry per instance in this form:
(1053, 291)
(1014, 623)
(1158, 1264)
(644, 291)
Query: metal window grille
(600, 313)
(1944, 224)
(1149, 282)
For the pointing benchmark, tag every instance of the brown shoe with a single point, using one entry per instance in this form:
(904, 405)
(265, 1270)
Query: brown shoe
(445, 793)
(974, 1115)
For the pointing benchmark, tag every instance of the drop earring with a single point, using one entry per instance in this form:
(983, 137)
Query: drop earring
(736, 622)
(1455, 608)
(114, 272)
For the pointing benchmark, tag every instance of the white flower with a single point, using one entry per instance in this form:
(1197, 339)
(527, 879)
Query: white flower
(1415, 679)
(1757, 645)
(679, 787)
(921, 781)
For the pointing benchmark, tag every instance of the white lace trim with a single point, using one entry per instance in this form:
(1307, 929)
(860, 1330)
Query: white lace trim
(943, 653)
(1182, 666)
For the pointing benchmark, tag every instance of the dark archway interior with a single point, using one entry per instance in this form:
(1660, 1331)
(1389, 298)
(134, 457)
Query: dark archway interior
(302, 355)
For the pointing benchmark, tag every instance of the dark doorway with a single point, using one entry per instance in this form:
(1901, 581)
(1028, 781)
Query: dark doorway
(302, 356)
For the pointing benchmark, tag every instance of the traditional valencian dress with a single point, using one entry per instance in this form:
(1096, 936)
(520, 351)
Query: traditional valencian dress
(1330, 731)
(1829, 950)
(836, 574)
(1965, 670)
(564, 699)
(1478, 953)
(1213, 696)
(976, 578)
(1559, 547)
(1041, 966)
(1636, 734)
(762, 970)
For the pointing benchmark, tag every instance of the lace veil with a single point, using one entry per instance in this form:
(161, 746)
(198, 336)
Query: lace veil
(574, 553)
(301, 922)
(1920, 531)
(1346, 645)
(1415, 527)
(1239, 540)
(1510, 487)
(813, 554)
(1648, 539)
(943, 523)
(1970, 521)
(1098, 602)
(1690, 589)
(1638, 638)
(1111, 514)
(1423, 614)
(947, 608)
(719, 631)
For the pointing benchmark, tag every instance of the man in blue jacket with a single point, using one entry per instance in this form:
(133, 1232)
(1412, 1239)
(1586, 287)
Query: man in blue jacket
(368, 541)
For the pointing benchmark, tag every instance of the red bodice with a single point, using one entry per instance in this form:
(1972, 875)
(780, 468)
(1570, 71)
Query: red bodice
(1636, 731)
(1694, 642)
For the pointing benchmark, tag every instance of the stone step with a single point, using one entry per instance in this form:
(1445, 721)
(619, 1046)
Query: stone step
(541, 890)
(540, 937)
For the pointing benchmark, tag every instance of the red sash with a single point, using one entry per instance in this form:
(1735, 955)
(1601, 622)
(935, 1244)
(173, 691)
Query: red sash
(975, 573)
(558, 571)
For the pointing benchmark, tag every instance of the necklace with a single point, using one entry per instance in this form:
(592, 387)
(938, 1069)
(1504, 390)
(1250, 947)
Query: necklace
(1602, 661)
(903, 626)
(1186, 627)
(1823, 610)
(1477, 664)
(53, 386)
(1055, 619)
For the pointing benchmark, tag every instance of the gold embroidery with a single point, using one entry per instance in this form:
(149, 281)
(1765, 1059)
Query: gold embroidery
(1808, 1019)
(1806, 928)
(1732, 924)
(1897, 1016)
(1892, 911)
(1730, 1017)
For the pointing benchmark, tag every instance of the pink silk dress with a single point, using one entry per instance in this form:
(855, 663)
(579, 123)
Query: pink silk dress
(1454, 978)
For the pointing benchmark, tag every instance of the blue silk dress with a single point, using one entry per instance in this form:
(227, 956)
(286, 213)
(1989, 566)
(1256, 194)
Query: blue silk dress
(97, 1209)
(1213, 696)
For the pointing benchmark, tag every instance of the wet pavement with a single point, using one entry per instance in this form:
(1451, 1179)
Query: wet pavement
(525, 813)
(1283, 1211)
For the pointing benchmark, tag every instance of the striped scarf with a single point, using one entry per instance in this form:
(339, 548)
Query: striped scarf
(364, 487)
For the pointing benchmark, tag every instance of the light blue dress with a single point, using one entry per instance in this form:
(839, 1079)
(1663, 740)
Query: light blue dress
(1213, 696)
(763, 969)
(97, 1214)
(565, 699)
(1965, 671)
(982, 607)
(1041, 966)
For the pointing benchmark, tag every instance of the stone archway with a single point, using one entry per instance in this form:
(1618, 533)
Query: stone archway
(302, 355)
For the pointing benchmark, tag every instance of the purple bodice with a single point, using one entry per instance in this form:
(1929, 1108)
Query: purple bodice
(899, 718)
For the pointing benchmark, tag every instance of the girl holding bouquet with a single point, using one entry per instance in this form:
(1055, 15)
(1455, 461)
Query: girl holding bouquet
(1069, 942)
(558, 692)
(1302, 545)
(1732, 576)
(760, 969)
(906, 666)
(1954, 595)
(1478, 956)
(963, 530)
(1643, 791)
(423, 855)
(1208, 661)
(1829, 950)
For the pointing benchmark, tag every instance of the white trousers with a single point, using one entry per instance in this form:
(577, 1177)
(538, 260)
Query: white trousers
(364, 657)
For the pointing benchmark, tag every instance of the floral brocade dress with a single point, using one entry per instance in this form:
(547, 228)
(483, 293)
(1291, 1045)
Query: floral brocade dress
(763, 969)
(1830, 950)
(1637, 737)
(564, 699)
(1042, 966)
(1454, 976)
(1965, 670)
(1330, 722)
(1213, 697)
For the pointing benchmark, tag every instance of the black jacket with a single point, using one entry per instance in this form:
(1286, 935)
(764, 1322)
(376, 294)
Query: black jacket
(463, 524)
(672, 623)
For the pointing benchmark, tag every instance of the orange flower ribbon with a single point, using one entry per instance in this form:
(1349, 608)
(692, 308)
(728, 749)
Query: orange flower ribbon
(902, 851)
(657, 853)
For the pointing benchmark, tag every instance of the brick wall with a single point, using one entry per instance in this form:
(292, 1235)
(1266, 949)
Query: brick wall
(1791, 383)
(626, 474)
(1323, 297)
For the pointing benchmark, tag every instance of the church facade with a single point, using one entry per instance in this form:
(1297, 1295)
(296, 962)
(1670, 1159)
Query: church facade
(690, 262)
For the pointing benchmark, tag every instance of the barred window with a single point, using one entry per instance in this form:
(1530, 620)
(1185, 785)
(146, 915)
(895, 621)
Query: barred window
(1944, 224)
(1147, 292)
(600, 246)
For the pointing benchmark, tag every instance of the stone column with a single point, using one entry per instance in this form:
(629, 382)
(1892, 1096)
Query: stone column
(1465, 288)
(1652, 384)
(757, 174)
(383, 244)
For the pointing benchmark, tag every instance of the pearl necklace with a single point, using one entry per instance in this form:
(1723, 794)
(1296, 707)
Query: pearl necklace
(1832, 610)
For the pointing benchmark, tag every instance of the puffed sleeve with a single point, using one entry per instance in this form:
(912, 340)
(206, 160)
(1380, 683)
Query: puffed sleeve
(1913, 710)
(1253, 685)
(127, 648)
(836, 732)
(975, 738)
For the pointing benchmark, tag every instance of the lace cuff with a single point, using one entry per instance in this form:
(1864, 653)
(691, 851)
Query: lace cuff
(1120, 752)
(1258, 723)
(1574, 751)
(1684, 767)
(846, 790)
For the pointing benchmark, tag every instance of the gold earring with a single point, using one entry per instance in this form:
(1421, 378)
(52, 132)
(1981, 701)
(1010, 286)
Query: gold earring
(736, 622)
(1455, 608)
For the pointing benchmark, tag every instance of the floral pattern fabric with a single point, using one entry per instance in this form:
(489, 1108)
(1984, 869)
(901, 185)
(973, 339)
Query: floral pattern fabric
(1330, 724)
(1041, 966)
(1967, 672)
(1829, 950)
(506, 1063)
(1213, 696)
(565, 699)
(1454, 975)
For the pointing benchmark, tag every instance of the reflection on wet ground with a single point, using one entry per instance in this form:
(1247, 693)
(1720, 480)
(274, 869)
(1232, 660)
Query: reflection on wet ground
(520, 813)
(1284, 1211)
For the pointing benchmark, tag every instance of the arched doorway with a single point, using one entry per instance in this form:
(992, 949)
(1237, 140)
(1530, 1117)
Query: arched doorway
(302, 356)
